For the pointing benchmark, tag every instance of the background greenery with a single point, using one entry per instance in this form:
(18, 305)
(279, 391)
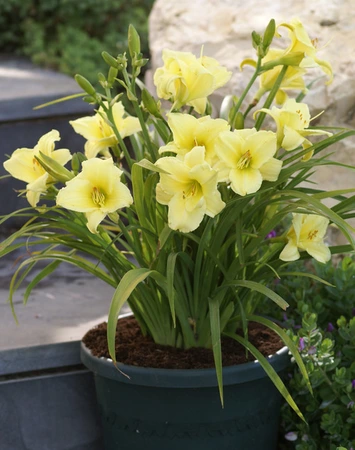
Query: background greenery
(321, 320)
(69, 35)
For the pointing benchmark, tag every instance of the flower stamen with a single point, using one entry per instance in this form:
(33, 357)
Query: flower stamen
(192, 189)
(98, 197)
(312, 234)
(244, 161)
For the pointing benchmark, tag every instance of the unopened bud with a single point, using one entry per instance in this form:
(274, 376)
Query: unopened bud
(269, 34)
(109, 59)
(256, 39)
(208, 110)
(292, 59)
(134, 42)
(150, 103)
(77, 160)
(122, 61)
(238, 122)
(89, 99)
(85, 84)
(112, 74)
(55, 170)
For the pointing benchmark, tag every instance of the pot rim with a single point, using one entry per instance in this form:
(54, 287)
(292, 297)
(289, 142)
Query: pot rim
(184, 378)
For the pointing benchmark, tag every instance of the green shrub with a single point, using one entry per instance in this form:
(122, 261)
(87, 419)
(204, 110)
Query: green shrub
(69, 35)
(322, 323)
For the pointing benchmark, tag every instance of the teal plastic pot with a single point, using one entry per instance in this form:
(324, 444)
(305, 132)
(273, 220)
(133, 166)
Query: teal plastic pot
(170, 409)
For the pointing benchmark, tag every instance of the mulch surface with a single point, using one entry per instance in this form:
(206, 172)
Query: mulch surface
(134, 349)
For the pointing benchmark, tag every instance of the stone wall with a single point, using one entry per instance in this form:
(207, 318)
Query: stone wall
(224, 28)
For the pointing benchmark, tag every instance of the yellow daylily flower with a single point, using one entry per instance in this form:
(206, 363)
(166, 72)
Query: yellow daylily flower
(247, 156)
(292, 122)
(189, 132)
(293, 79)
(186, 80)
(96, 191)
(301, 42)
(23, 165)
(307, 233)
(189, 188)
(99, 134)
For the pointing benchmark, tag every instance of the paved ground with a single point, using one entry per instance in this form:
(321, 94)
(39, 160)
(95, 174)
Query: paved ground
(62, 308)
(19, 78)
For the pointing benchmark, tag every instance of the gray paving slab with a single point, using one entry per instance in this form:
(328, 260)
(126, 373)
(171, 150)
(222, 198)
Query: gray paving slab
(19, 78)
(61, 309)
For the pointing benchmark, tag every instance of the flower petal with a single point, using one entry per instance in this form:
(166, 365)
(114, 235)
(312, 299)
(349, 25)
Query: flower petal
(94, 219)
(319, 251)
(290, 252)
(245, 181)
(181, 219)
(270, 171)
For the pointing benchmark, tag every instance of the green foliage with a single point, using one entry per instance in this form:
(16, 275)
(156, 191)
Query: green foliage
(68, 35)
(323, 326)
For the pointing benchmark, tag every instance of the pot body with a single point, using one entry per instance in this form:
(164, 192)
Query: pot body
(161, 409)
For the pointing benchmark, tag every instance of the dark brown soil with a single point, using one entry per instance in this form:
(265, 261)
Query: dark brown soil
(134, 349)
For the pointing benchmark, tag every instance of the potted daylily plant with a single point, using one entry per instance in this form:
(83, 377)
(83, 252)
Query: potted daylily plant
(190, 215)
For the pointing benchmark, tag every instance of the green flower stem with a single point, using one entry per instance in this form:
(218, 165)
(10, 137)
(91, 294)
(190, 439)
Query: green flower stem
(147, 139)
(247, 89)
(121, 143)
(250, 107)
(261, 116)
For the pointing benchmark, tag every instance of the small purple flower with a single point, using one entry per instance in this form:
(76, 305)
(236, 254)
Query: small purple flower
(350, 405)
(284, 317)
(353, 384)
(312, 350)
(272, 234)
(330, 327)
(301, 344)
(291, 436)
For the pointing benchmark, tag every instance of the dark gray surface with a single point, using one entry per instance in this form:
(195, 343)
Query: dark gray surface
(19, 78)
(57, 412)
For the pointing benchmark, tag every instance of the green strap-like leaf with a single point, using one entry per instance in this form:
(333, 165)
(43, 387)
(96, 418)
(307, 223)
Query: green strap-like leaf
(128, 283)
(170, 271)
(216, 342)
(39, 277)
(270, 371)
(289, 342)
(304, 274)
(252, 285)
(150, 166)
